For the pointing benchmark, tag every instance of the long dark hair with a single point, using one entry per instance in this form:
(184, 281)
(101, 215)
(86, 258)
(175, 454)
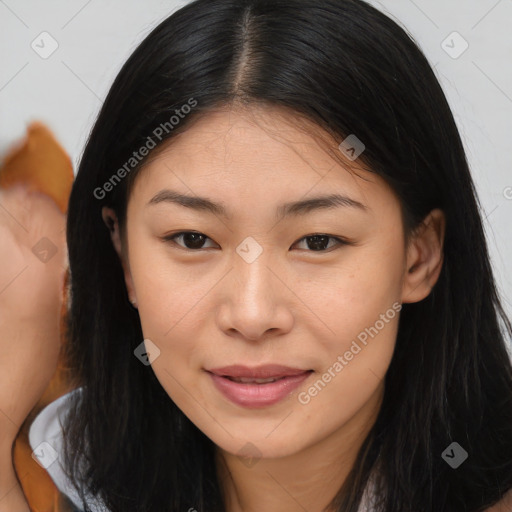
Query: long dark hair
(349, 69)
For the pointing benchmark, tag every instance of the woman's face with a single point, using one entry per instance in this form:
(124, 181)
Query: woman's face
(254, 287)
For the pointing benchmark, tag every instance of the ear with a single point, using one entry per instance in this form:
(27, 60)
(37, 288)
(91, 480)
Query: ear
(110, 219)
(424, 257)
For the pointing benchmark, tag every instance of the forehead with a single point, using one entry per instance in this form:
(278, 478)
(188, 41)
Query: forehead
(240, 139)
(257, 155)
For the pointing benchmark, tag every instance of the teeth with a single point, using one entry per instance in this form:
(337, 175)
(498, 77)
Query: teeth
(248, 380)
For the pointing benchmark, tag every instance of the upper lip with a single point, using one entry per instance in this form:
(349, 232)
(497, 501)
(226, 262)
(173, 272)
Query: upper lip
(257, 372)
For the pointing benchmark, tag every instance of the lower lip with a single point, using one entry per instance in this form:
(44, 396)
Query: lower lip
(258, 395)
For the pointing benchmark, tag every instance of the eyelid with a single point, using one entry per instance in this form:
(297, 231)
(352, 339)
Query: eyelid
(340, 241)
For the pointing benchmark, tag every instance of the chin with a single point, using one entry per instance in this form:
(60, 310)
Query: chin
(254, 445)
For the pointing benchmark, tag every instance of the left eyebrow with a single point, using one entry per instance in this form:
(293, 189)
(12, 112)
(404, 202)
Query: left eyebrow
(327, 202)
(294, 208)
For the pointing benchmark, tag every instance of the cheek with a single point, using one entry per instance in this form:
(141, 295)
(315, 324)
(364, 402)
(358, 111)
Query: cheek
(168, 296)
(358, 350)
(360, 290)
(173, 312)
(362, 311)
(170, 315)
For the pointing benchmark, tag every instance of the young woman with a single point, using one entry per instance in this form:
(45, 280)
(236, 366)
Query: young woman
(281, 295)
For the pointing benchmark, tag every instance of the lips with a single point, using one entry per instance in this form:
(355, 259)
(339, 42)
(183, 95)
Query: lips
(259, 386)
(250, 380)
(269, 371)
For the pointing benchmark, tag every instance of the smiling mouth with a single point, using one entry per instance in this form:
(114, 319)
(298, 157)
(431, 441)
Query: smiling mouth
(249, 380)
(257, 387)
(257, 373)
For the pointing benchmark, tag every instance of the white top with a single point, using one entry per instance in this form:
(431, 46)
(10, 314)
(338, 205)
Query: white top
(45, 437)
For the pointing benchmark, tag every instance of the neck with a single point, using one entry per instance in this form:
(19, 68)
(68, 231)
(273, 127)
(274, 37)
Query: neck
(306, 480)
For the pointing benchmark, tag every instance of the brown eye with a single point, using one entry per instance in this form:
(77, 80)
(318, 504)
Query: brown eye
(320, 242)
(195, 241)
(191, 240)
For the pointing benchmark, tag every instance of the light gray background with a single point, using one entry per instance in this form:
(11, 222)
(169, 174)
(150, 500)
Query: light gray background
(95, 37)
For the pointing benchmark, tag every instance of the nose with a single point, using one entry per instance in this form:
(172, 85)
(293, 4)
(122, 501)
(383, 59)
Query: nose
(256, 301)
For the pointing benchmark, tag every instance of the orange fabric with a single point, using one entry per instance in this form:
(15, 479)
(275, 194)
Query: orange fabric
(41, 162)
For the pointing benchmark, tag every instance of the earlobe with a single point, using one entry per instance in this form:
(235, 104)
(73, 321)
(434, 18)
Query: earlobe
(110, 219)
(425, 257)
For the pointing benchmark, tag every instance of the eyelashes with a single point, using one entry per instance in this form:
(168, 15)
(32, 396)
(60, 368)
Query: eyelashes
(193, 241)
(193, 237)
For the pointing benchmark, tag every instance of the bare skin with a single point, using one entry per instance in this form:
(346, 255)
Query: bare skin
(316, 440)
(30, 302)
(291, 306)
